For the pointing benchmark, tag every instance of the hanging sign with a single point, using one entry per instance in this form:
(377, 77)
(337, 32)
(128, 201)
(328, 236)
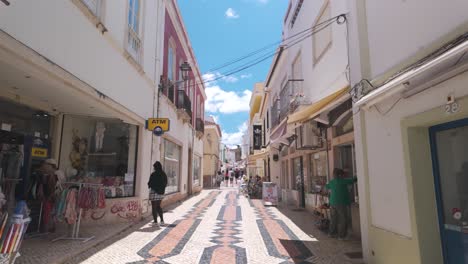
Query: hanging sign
(162, 124)
(257, 137)
(39, 152)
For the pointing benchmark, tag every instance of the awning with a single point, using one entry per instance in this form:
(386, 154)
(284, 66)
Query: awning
(258, 155)
(315, 108)
(430, 70)
(279, 131)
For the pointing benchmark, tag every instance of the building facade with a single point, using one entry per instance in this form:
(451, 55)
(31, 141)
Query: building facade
(79, 79)
(181, 99)
(311, 130)
(410, 112)
(211, 160)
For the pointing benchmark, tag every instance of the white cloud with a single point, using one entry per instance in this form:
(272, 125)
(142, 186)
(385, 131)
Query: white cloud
(212, 77)
(231, 13)
(226, 102)
(230, 79)
(233, 139)
(246, 76)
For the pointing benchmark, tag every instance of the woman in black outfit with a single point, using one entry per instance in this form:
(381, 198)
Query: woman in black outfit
(157, 183)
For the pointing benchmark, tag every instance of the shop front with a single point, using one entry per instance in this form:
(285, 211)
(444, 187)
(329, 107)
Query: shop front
(418, 146)
(25, 142)
(90, 139)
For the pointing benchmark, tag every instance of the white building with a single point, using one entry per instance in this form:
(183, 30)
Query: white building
(408, 72)
(311, 130)
(78, 80)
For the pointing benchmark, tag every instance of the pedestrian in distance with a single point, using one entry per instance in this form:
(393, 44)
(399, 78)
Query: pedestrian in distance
(157, 184)
(339, 203)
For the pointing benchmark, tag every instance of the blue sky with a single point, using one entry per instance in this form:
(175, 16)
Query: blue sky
(223, 30)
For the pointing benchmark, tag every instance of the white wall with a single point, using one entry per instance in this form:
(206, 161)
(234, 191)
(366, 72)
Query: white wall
(59, 31)
(399, 29)
(327, 75)
(387, 176)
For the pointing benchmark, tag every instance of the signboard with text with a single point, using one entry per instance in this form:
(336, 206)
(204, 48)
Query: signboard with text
(158, 124)
(257, 137)
(39, 152)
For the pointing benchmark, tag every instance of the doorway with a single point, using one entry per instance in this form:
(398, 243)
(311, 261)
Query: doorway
(449, 149)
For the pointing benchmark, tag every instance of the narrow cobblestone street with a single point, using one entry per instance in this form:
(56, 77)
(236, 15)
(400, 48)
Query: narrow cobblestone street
(220, 226)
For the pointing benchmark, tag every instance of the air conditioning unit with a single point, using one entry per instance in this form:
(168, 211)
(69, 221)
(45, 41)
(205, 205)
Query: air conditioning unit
(311, 136)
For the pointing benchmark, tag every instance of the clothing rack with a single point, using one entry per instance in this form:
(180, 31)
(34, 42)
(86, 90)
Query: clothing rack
(76, 225)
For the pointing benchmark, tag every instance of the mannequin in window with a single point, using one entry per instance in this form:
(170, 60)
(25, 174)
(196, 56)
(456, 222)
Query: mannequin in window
(100, 130)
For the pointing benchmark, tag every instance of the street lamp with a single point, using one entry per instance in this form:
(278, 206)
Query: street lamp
(185, 69)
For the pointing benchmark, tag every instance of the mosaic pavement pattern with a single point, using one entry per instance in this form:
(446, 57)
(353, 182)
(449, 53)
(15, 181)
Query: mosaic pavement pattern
(219, 226)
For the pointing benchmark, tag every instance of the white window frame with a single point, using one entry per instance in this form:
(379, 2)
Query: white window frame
(133, 42)
(324, 14)
(93, 6)
(171, 62)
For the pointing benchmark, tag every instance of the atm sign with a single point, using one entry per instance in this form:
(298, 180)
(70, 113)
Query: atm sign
(39, 152)
(163, 123)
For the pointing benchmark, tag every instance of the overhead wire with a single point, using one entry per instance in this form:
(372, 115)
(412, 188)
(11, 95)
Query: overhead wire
(264, 57)
(272, 44)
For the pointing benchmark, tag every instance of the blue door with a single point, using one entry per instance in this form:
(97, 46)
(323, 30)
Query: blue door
(449, 145)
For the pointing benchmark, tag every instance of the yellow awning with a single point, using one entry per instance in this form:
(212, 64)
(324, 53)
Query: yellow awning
(315, 108)
(260, 155)
(256, 106)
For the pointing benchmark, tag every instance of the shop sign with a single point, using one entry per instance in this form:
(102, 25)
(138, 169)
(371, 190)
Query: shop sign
(39, 152)
(257, 137)
(162, 124)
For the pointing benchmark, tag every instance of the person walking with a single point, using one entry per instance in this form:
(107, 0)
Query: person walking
(339, 204)
(157, 184)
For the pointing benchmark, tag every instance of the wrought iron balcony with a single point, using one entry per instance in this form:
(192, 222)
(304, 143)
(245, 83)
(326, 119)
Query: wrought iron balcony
(184, 105)
(168, 89)
(288, 101)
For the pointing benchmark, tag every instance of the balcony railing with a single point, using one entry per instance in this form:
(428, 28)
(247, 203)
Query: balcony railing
(134, 45)
(184, 103)
(288, 101)
(200, 125)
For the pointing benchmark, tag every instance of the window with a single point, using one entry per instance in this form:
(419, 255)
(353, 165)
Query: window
(322, 40)
(318, 171)
(102, 151)
(170, 63)
(268, 119)
(285, 174)
(133, 39)
(170, 158)
(94, 6)
(196, 170)
(133, 14)
(297, 173)
(296, 12)
(296, 86)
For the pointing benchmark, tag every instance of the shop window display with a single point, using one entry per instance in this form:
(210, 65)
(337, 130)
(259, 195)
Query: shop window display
(96, 150)
(318, 171)
(171, 163)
